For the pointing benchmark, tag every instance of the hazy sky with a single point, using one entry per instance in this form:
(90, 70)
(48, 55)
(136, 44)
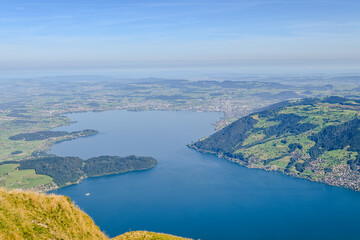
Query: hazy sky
(53, 34)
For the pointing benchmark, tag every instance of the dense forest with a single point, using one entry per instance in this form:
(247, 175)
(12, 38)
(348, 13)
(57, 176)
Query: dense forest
(342, 136)
(337, 137)
(42, 135)
(67, 170)
(107, 165)
(227, 139)
(230, 138)
(289, 123)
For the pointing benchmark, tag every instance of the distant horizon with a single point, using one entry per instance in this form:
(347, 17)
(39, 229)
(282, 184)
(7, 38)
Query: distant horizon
(250, 36)
(194, 73)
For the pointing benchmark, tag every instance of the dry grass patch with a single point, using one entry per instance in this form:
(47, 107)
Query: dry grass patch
(143, 235)
(28, 215)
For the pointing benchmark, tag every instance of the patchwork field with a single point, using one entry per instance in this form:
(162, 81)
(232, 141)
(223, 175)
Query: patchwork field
(12, 178)
(31, 106)
(316, 139)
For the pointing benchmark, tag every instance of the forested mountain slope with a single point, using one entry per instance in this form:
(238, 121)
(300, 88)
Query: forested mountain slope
(317, 139)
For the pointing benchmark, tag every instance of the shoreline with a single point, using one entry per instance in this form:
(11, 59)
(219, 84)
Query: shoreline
(271, 169)
(67, 121)
(105, 175)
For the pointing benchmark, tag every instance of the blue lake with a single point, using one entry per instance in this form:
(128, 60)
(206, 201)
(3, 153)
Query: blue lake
(198, 195)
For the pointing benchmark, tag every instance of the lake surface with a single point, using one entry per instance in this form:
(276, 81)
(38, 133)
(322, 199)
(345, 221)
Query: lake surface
(198, 195)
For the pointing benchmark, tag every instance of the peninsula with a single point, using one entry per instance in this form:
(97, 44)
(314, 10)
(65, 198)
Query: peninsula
(316, 139)
(52, 172)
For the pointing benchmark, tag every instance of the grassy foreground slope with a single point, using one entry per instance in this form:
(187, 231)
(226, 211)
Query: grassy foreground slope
(317, 139)
(143, 235)
(29, 215)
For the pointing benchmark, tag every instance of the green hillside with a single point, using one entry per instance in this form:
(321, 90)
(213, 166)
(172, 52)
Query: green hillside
(28, 215)
(50, 172)
(316, 139)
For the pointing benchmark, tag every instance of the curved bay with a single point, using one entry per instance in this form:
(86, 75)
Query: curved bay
(197, 195)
